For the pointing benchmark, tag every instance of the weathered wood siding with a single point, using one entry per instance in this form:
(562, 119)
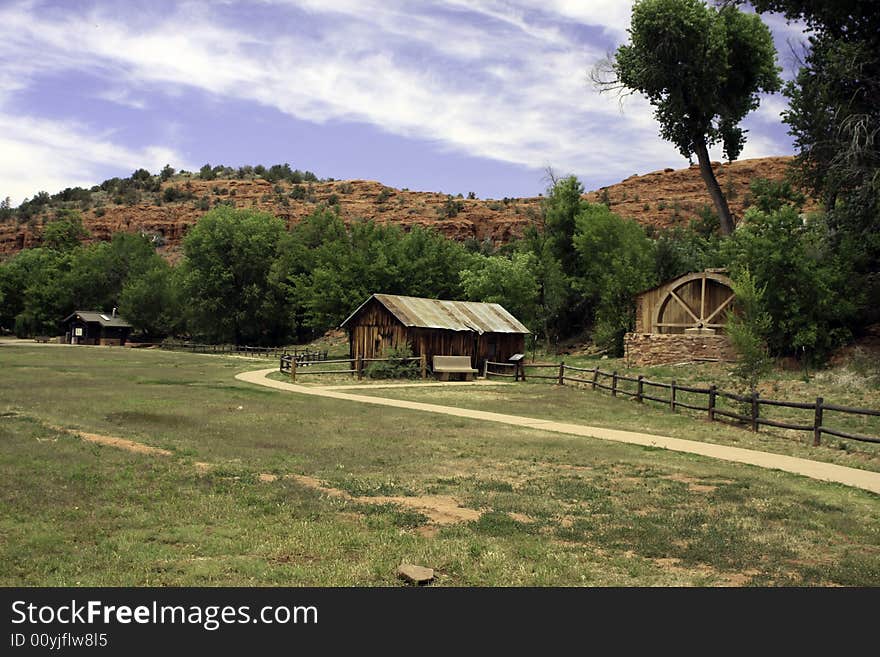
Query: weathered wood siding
(375, 329)
(647, 304)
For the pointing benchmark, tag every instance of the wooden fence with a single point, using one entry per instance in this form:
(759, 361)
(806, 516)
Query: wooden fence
(670, 394)
(303, 355)
(291, 365)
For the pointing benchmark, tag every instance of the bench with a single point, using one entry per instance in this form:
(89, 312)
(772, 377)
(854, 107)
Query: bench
(446, 365)
(42, 338)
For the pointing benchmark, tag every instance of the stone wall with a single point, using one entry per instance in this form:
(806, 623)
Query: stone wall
(642, 349)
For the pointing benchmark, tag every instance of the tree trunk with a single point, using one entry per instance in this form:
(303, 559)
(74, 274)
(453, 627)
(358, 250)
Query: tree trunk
(714, 189)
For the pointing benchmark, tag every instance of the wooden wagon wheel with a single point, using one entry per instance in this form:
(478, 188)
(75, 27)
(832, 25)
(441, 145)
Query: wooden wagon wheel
(702, 296)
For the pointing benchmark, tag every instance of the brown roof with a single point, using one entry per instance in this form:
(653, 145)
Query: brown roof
(104, 319)
(448, 315)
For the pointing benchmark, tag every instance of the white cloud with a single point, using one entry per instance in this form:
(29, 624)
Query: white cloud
(505, 87)
(39, 154)
(122, 97)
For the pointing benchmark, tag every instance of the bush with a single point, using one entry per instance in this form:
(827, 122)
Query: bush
(397, 367)
(748, 329)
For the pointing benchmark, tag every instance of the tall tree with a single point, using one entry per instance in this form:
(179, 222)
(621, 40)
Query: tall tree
(834, 117)
(702, 69)
(229, 255)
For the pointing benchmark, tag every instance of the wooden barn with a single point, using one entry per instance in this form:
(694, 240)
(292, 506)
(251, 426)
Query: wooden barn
(93, 327)
(693, 304)
(433, 327)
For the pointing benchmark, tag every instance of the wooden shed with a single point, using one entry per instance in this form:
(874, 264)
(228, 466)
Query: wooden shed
(434, 327)
(94, 327)
(694, 304)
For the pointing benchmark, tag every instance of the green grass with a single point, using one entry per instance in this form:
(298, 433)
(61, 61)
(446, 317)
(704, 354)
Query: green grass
(579, 404)
(557, 510)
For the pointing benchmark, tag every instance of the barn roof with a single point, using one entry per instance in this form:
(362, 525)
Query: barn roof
(448, 315)
(103, 319)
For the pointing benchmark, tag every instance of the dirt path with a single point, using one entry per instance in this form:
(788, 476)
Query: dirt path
(854, 477)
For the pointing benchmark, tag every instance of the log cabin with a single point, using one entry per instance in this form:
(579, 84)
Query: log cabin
(434, 327)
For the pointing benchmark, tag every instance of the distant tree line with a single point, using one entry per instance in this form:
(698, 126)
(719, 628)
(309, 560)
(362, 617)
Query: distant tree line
(245, 278)
(142, 185)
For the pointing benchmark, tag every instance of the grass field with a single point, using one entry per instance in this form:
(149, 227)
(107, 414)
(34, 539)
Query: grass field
(548, 509)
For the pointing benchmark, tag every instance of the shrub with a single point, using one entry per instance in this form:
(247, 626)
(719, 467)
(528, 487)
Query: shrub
(397, 367)
(748, 329)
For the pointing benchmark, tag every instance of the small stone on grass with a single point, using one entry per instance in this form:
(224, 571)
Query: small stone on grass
(418, 575)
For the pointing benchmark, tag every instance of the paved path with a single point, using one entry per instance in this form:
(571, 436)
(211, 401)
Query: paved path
(814, 469)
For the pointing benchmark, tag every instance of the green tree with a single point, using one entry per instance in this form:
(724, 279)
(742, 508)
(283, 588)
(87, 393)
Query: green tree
(834, 117)
(617, 261)
(207, 172)
(35, 296)
(66, 232)
(509, 281)
(149, 301)
(748, 327)
(229, 254)
(561, 207)
(790, 257)
(554, 292)
(702, 69)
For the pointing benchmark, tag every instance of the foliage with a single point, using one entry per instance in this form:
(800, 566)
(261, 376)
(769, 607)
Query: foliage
(397, 367)
(149, 302)
(509, 281)
(834, 117)
(64, 233)
(702, 69)
(748, 327)
(451, 207)
(771, 195)
(561, 208)
(679, 251)
(325, 269)
(225, 277)
(616, 262)
(803, 276)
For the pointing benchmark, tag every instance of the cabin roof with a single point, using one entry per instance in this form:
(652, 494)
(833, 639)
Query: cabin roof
(448, 315)
(104, 319)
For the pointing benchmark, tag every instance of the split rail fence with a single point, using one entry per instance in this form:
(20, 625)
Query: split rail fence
(291, 365)
(672, 394)
(304, 355)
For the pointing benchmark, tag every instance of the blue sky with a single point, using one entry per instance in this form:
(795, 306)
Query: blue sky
(439, 95)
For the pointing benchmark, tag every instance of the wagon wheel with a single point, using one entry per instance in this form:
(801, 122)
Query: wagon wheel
(697, 301)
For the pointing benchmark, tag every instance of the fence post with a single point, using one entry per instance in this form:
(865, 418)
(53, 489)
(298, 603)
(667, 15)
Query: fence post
(522, 371)
(817, 423)
(713, 391)
(424, 364)
(293, 369)
(614, 383)
(486, 369)
(640, 388)
(672, 396)
(755, 411)
(359, 366)
(595, 376)
(562, 373)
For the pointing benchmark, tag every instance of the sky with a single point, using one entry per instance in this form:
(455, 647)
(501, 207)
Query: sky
(454, 96)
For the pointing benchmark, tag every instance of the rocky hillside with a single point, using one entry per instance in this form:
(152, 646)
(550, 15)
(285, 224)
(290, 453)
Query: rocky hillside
(673, 197)
(661, 199)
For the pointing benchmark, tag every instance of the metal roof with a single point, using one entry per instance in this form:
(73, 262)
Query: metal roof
(448, 315)
(101, 318)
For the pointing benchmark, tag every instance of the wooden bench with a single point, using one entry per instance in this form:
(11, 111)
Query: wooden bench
(446, 365)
